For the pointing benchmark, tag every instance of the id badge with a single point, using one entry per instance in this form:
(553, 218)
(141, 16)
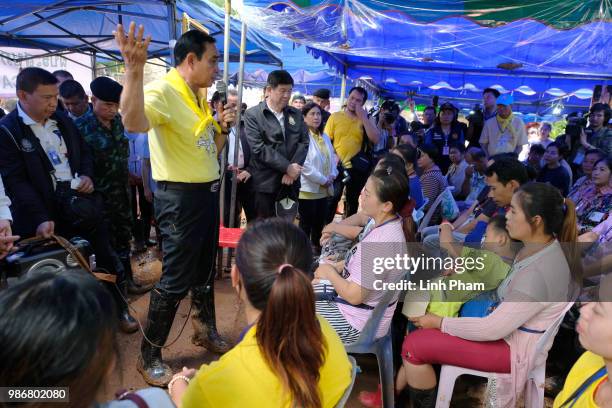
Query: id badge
(445, 151)
(579, 157)
(596, 216)
(54, 157)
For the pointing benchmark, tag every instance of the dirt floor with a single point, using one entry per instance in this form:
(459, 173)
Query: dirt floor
(230, 321)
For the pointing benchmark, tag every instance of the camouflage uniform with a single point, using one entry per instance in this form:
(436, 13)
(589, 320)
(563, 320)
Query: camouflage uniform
(110, 150)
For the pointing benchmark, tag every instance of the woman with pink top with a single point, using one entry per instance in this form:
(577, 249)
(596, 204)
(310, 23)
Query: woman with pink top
(532, 297)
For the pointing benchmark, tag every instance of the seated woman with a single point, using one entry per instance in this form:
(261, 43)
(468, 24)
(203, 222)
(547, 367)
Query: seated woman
(531, 298)
(584, 185)
(383, 197)
(432, 179)
(592, 209)
(588, 383)
(60, 331)
(287, 356)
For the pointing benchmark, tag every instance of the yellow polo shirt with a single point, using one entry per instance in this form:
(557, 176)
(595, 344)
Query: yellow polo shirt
(586, 366)
(242, 378)
(180, 151)
(346, 134)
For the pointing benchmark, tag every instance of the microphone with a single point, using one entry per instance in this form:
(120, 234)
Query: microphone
(222, 89)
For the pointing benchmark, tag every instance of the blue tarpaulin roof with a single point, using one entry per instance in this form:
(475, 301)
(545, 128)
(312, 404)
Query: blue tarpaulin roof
(87, 25)
(398, 47)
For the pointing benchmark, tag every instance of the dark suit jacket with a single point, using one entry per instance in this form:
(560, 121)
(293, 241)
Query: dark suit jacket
(271, 152)
(27, 171)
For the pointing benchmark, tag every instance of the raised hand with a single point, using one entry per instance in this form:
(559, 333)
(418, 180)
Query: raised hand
(133, 48)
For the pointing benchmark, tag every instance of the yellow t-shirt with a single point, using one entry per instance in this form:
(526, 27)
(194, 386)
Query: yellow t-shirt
(346, 134)
(242, 378)
(586, 366)
(180, 151)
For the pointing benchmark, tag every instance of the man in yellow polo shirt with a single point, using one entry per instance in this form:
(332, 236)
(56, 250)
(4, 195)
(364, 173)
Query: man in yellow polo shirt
(351, 130)
(184, 140)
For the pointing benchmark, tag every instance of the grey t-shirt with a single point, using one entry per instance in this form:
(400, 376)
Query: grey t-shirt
(154, 397)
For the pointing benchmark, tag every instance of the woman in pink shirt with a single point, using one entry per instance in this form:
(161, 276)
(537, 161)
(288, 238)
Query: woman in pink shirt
(533, 296)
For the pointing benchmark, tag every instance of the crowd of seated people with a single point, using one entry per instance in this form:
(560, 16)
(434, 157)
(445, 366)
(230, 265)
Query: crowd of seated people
(309, 290)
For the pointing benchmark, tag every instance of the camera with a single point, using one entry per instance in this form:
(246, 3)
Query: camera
(574, 126)
(43, 255)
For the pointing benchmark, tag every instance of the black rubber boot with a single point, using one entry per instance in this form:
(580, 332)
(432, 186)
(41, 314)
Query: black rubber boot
(204, 322)
(422, 398)
(162, 309)
(133, 287)
(127, 323)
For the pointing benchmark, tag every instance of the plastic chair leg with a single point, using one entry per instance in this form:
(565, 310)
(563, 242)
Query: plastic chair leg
(448, 376)
(384, 355)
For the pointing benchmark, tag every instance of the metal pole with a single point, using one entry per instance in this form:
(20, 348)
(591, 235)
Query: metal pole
(238, 119)
(226, 59)
(343, 89)
(172, 27)
(94, 61)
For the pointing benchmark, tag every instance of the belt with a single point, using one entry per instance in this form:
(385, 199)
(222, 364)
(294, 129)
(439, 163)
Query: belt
(212, 186)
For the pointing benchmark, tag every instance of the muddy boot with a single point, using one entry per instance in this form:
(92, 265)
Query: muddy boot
(133, 287)
(422, 398)
(204, 322)
(162, 309)
(127, 323)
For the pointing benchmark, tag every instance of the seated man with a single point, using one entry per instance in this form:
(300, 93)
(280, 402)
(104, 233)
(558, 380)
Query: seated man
(47, 169)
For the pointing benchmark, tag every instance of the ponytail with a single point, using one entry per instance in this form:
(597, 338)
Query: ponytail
(408, 224)
(290, 337)
(568, 236)
(288, 332)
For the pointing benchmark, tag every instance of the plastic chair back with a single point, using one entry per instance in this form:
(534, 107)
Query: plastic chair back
(425, 221)
(349, 389)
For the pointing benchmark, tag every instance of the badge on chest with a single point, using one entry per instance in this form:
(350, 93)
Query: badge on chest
(207, 141)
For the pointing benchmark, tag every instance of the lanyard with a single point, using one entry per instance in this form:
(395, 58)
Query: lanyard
(586, 384)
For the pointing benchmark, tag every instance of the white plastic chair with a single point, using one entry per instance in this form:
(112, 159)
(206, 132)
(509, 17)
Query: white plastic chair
(534, 395)
(425, 221)
(347, 392)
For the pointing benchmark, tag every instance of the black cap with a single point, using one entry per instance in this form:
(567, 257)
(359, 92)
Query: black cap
(322, 93)
(447, 106)
(106, 89)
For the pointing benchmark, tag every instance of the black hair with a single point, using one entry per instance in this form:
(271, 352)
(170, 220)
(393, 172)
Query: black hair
(537, 148)
(561, 148)
(494, 91)
(63, 74)
(279, 77)
(604, 160)
(503, 156)
(477, 153)
(30, 78)
(216, 97)
(408, 153)
(71, 88)
(599, 107)
(191, 41)
(429, 107)
(394, 161)
(508, 169)
(392, 186)
(498, 221)
(361, 90)
(432, 151)
(274, 259)
(295, 97)
(58, 330)
(598, 152)
(457, 145)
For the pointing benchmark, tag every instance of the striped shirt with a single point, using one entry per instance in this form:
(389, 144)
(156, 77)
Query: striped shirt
(433, 184)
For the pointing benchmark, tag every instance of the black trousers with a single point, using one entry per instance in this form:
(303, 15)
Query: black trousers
(244, 201)
(264, 205)
(313, 214)
(353, 189)
(142, 224)
(188, 219)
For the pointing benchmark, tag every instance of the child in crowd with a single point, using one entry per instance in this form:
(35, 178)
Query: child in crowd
(489, 266)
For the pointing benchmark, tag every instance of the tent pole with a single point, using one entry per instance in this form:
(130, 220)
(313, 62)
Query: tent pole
(226, 59)
(237, 127)
(94, 61)
(343, 89)
(172, 28)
